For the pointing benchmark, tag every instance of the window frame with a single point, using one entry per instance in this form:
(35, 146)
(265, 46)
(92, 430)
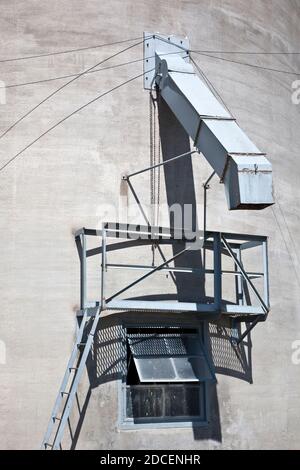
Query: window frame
(126, 423)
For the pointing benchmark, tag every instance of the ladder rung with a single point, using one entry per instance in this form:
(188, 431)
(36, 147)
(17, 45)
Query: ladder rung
(56, 418)
(81, 360)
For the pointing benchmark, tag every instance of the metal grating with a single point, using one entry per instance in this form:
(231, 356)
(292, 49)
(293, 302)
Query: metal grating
(169, 358)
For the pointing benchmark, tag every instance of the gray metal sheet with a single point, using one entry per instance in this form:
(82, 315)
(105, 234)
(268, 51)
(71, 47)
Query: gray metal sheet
(167, 345)
(169, 359)
(160, 306)
(167, 45)
(197, 92)
(231, 137)
(245, 172)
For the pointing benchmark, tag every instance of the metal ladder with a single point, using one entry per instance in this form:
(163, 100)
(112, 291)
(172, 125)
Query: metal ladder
(54, 434)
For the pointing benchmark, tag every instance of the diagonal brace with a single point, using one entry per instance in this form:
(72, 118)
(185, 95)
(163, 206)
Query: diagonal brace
(157, 268)
(244, 274)
(126, 177)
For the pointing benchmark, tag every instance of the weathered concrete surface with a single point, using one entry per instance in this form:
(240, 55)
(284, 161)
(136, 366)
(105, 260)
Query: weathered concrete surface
(62, 182)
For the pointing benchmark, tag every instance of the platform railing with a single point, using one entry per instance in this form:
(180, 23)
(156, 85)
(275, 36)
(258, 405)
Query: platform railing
(220, 243)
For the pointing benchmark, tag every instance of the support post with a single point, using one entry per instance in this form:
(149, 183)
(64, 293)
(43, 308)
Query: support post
(266, 273)
(239, 281)
(103, 268)
(83, 277)
(205, 188)
(217, 271)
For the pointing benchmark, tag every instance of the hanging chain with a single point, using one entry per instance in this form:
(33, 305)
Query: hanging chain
(154, 160)
(152, 156)
(151, 142)
(159, 161)
(155, 157)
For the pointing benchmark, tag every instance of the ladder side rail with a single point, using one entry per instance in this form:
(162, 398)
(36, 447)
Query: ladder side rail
(73, 390)
(62, 388)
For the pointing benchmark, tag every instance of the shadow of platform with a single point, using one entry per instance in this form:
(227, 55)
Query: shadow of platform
(106, 361)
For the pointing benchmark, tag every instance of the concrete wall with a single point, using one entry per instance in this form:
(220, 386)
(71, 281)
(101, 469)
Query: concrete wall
(62, 183)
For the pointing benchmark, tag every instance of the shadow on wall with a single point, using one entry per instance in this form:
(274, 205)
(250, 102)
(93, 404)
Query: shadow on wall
(227, 358)
(106, 362)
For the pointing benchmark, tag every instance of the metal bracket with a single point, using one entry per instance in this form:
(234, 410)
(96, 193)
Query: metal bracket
(167, 45)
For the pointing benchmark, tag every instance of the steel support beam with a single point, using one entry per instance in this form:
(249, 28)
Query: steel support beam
(166, 162)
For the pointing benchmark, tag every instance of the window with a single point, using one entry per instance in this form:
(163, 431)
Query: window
(167, 373)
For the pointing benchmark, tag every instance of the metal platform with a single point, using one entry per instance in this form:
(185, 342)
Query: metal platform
(180, 307)
(220, 244)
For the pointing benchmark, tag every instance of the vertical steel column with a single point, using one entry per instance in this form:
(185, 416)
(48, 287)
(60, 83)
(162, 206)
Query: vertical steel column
(239, 297)
(217, 271)
(83, 277)
(205, 188)
(266, 272)
(239, 281)
(103, 268)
